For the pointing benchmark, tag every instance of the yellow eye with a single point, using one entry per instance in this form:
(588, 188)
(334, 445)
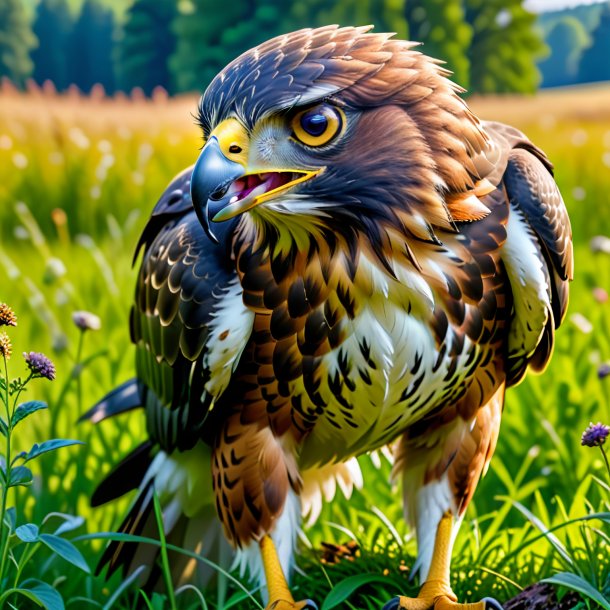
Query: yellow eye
(318, 125)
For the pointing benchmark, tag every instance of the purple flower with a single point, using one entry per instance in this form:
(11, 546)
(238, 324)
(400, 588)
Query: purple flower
(595, 435)
(40, 365)
(603, 370)
(7, 316)
(86, 320)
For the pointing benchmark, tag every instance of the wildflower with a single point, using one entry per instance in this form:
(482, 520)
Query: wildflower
(595, 435)
(86, 320)
(600, 243)
(7, 316)
(6, 349)
(40, 365)
(600, 295)
(603, 370)
(583, 325)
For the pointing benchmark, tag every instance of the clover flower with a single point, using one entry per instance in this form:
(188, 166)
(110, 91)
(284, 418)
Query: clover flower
(86, 320)
(6, 349)
(595, 435)
(39, 365)
(603, 370)
(7, 316)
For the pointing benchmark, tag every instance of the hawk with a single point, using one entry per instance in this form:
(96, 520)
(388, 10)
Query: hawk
(354, 261)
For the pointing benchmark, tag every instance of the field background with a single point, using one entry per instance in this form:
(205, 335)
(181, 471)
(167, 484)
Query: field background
(78, 178)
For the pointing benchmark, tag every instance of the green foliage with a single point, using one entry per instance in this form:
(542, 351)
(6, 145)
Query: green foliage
(595, 61)
(146, 45)
(51, 27)
(90, 47)
(16, 40)
(49, 270)
(566, 42)
(504, 47)
(19, 544)
(430, 21)
(208, 38)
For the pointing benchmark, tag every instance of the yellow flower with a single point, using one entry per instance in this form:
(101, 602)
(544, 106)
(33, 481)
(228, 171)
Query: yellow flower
(6, 348)
(7, 316)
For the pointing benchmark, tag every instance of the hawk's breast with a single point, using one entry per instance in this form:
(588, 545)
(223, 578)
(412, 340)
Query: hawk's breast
(391, 369)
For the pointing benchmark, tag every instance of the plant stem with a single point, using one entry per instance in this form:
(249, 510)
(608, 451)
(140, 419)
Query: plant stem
(7, 475)
(601, 448)
(78, 371)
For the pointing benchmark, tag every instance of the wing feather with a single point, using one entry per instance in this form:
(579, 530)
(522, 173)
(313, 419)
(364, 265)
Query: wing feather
(182, 289)
(538, 251)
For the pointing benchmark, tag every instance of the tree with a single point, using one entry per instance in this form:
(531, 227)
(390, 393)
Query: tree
(90, 47)
(209, 38)
(385, 15)
(51, 26)
(429, 21)
(595, 61)
(566, 42)
(146, 45)
(16, 40)
(505, 46)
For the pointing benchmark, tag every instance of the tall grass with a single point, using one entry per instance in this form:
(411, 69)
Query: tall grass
(78, 177)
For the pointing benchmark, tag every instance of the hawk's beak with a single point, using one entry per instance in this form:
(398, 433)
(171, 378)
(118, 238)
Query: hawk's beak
(210, 182)
(222, 187)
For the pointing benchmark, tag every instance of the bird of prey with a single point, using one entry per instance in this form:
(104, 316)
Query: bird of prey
(354, 261)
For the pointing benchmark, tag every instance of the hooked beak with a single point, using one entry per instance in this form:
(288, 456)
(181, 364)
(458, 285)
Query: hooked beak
(222, 189)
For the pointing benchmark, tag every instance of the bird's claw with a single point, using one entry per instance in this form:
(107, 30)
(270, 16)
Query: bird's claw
(439, 603)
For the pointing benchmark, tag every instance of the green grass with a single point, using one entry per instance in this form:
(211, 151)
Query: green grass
(49, 269)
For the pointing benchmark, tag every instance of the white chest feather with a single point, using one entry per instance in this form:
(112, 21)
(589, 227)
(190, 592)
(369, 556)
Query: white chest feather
(387, 374)
(229, 333)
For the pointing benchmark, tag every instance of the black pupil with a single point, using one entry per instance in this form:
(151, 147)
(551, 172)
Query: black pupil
(314, 124)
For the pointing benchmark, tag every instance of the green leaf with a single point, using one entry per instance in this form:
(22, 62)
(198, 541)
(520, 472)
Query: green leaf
(27, 532)
(3, 427)
(42, 593)
(10, 519)
(47, 446)
(25, 409)
(70, 522)
(66, 550)
(20, 475)
(123, 587)
(342, 590)
(576, 583)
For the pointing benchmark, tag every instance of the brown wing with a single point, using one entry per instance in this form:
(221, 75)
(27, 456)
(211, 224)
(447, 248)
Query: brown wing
(538, 253)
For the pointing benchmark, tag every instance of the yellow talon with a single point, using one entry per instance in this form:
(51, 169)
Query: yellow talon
(280, 597)
(436, 593)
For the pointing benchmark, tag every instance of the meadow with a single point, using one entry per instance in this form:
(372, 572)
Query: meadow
(78, 178)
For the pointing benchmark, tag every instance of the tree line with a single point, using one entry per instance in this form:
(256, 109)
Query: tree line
(579, 46)
(490, 45)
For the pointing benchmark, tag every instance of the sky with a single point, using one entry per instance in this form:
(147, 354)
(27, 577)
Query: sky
(539, 6)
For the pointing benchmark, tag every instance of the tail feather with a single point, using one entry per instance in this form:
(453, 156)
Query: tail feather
(125, 476)
(126, 397)
(119, 553)
(189, 517)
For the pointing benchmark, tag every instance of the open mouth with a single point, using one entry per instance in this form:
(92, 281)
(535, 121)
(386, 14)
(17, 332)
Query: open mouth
(251, 190)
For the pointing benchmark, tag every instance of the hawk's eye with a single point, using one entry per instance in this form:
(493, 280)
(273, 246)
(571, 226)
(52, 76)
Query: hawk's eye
(318, 125)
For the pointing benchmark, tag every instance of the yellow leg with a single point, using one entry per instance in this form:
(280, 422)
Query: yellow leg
(280, 597)
(436, 592)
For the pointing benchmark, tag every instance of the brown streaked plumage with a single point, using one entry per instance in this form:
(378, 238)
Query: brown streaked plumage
(354, 261)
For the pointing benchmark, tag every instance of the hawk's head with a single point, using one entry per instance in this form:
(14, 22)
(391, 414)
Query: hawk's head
(334, 130)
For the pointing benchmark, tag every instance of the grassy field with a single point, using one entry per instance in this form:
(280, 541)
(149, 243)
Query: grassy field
(78, 177)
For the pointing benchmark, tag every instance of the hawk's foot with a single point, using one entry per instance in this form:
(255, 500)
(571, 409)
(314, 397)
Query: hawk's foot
(443, 601)
(285, 604)
(280, 597)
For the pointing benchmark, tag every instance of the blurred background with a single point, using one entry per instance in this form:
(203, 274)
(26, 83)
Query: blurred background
(492, 46)
(96, 116)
